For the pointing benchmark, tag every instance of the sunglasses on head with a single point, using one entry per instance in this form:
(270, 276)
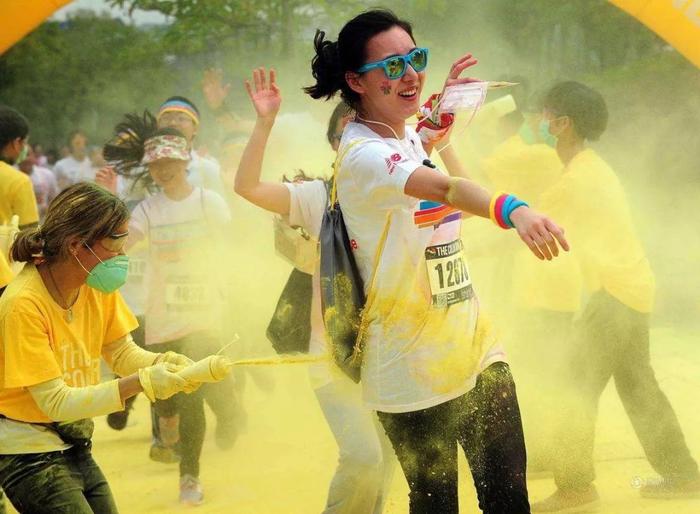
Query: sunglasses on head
(395, 66)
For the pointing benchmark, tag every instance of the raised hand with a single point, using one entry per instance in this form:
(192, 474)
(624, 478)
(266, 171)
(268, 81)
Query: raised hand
(213, 88)
(461, 64)
(264, 93)
(539, 233)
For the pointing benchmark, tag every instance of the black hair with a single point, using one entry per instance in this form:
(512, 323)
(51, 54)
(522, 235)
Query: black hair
(12, 126)
(181, 99)
(585, 106)
(125, 150)
(335, 58)
(341, 110)
(74, 133)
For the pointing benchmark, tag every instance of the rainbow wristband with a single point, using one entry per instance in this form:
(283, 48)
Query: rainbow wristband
(501, 207)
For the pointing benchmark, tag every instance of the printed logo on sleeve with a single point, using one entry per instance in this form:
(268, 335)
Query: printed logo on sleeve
(391, 162)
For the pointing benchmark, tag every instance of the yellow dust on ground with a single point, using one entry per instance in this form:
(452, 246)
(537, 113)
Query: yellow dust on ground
(285, 460)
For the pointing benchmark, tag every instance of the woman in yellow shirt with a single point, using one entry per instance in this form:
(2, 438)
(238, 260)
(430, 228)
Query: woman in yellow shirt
(58, 317)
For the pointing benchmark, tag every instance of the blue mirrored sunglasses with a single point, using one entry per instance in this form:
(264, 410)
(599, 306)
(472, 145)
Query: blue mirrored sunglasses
(395, 66)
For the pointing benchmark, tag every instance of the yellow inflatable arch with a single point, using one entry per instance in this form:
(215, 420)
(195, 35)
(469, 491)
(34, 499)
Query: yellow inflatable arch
(676, 21)
(20, 17)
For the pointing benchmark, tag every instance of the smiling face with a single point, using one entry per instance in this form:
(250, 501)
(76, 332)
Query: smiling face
(388, 101)
(168, 172)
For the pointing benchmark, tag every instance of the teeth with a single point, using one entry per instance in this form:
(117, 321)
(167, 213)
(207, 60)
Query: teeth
(410, 92)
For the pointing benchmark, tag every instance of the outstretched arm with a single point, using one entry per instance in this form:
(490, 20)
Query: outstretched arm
(538, 232)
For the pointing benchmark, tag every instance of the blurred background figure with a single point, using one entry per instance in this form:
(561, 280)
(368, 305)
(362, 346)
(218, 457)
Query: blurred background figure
(611, 339)
(76, 166)
(16, 191)
(43, 182)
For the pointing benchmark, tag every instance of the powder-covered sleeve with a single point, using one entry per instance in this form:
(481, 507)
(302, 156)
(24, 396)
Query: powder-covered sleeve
(216, 208)
(138, 222)
(306, 205)
(380, 172)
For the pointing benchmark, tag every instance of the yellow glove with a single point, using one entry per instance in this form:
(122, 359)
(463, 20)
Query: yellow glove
(181, 361)
(161, 381)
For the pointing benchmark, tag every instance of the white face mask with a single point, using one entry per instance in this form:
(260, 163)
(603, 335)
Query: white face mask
(464, 97)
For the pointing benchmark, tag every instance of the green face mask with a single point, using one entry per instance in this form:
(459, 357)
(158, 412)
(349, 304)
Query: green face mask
(23, 154)
(546, 136)
(109, 275)
(527, 135)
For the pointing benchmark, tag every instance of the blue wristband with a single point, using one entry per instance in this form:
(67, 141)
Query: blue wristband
(509, 206)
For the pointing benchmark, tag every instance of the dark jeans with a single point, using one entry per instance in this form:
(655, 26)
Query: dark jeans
(67, 482)
(486, 423)
(612, 340)
(219, 396)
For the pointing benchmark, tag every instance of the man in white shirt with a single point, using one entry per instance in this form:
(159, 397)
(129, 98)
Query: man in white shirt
(76, 167)
(43, 182)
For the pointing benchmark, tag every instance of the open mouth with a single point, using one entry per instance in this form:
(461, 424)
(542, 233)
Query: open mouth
(409, 94)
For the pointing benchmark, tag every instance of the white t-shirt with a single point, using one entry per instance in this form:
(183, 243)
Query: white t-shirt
(70, 171)
(45, 188)
(134, 291)
(423, 346)
(205, 172)
(185, 292)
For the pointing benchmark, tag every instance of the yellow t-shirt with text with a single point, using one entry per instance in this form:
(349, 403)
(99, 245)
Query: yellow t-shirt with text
(16, 196)
(38, 344)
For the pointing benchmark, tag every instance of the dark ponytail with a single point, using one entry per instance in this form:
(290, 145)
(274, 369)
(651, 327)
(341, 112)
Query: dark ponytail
(28, 244)
(334, 59)
(125, 150)
(325, 68)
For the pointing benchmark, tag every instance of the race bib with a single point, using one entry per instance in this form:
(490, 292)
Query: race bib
(448, 274)
(187, 296)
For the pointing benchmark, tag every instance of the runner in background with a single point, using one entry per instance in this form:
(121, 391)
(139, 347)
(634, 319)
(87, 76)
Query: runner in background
(182, 114)
(431, 365)
(75, 167)
(58, 318)
(365, 465)
(43, 182)
(184, 226)
(16, 191)
(612, 337)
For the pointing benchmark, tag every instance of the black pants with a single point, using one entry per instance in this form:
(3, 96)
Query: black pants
(219, 396)
(486, 423)
(612, 340)
(68, 482)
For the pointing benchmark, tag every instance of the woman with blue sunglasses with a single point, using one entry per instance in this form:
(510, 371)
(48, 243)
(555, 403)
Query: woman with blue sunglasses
(431, 367)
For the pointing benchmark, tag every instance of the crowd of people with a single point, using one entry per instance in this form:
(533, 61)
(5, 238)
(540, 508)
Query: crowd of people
(434, 375)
